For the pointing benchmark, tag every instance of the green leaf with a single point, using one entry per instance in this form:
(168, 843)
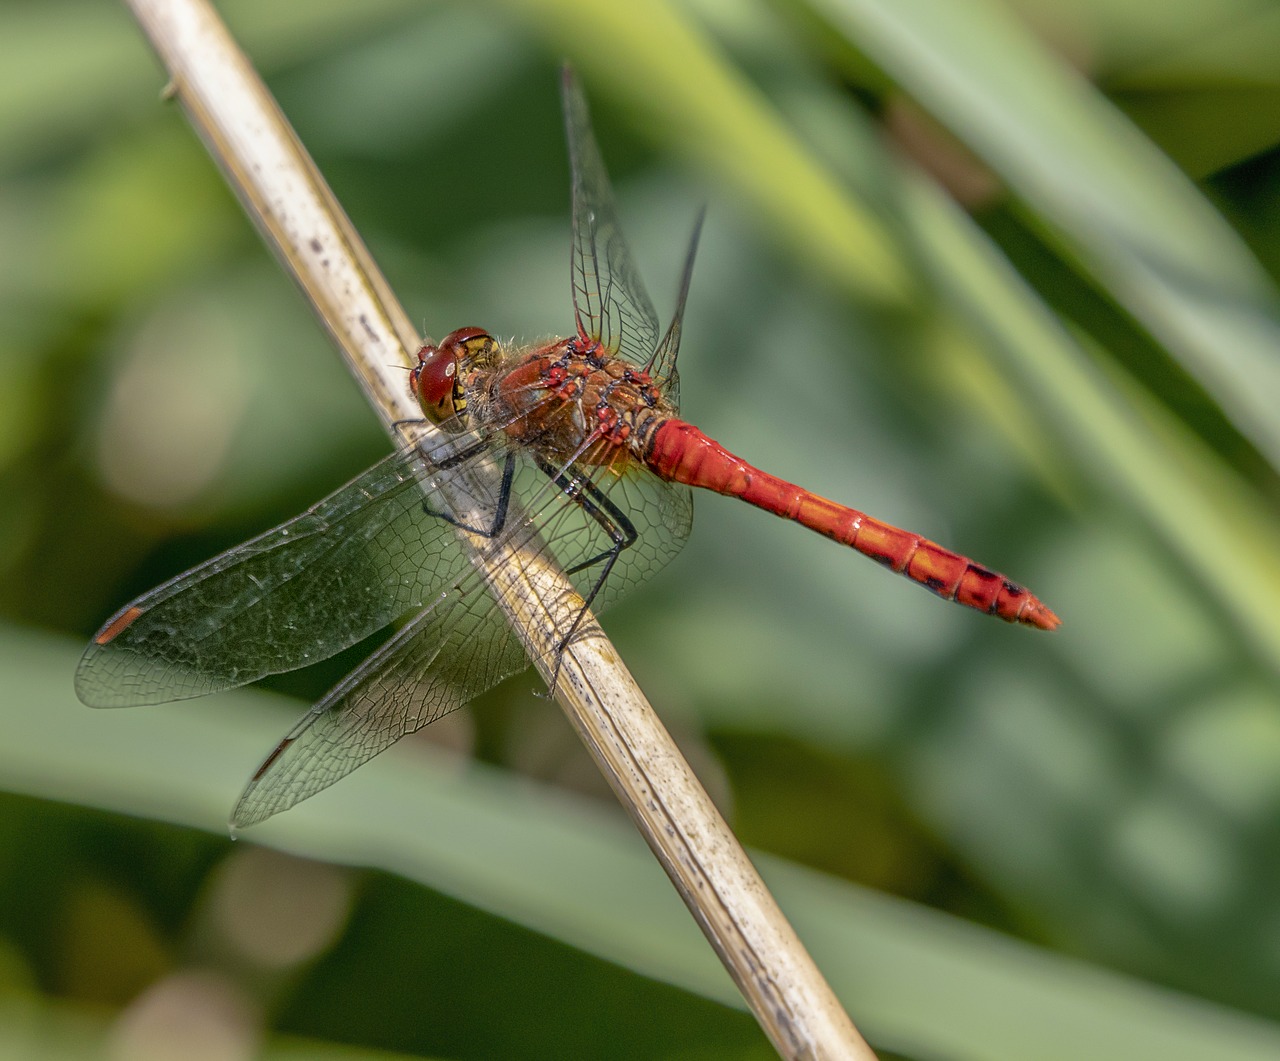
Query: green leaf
(921, 980)
(1135, 223)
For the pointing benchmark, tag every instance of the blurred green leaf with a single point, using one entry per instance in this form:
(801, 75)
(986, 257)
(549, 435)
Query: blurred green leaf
(917, 978)
(34, 1026)
(1207, 129)
(73, 62)
(1126, 441)
(1136, 224)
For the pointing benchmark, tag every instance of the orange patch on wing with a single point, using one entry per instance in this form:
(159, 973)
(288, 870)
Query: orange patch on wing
(113, 629)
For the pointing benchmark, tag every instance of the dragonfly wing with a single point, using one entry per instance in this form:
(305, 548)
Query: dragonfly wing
(609, 298)
(462, 644)
(290, 597)
(662, 365)
(447, 655)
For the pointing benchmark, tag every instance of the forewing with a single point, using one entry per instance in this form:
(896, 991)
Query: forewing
(609, 298)
(295, 595)
(462, 643)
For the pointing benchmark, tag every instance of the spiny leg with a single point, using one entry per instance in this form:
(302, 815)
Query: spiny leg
(504, 499)
(616, 525)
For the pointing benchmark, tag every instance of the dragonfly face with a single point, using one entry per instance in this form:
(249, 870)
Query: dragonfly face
(437, 379)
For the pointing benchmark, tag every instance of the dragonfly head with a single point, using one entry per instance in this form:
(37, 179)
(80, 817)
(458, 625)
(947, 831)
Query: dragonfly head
(436, 380)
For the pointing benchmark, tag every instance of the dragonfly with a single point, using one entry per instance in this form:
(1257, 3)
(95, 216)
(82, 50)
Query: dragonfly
(570, 450)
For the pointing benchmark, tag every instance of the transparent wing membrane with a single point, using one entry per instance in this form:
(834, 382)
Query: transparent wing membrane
(462, 644)
(662, 365)
(295, 595)
(609, 298)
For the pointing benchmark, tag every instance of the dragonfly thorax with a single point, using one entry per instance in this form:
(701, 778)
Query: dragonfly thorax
(571, 400)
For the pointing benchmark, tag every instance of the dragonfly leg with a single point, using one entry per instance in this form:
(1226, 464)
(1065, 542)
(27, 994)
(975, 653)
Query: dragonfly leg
(499, 513)
(613, 521)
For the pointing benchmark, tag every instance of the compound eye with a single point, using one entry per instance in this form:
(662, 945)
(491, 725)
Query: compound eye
(434, 382)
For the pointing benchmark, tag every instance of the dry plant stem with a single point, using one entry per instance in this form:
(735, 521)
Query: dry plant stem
(281, 189)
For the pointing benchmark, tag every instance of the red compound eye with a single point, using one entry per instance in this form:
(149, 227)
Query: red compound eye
(433, 381)
(436, 381)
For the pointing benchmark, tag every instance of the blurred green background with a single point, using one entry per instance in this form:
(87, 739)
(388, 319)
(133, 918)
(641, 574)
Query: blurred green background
(1002, 273)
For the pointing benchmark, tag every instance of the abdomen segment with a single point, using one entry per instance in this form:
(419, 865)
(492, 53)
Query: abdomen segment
(678, 451)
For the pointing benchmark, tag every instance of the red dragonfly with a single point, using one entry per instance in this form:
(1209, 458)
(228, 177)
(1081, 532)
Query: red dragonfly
(588, 459)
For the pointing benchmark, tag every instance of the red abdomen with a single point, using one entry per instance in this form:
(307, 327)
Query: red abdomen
(678, 451)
